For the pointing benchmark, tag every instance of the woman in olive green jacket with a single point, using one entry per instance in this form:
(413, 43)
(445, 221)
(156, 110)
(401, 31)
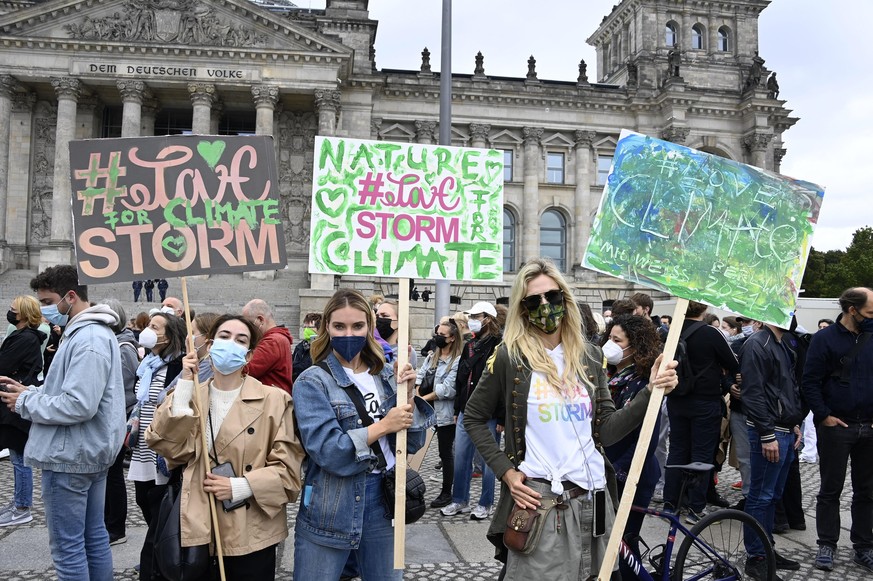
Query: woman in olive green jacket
(552, 387)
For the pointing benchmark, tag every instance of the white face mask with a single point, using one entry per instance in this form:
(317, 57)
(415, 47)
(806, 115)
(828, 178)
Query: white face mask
(168, 310)
(148, 338)
(613, 353)
(475, 325)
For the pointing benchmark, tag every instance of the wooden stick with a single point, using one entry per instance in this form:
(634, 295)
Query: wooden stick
(213, 506)
(400, 451)
(636, 467)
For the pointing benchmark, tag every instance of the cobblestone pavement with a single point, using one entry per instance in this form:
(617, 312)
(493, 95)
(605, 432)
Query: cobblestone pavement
(448, 548)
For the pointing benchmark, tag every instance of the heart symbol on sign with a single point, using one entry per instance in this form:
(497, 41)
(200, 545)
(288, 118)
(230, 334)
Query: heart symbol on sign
(493, 169)
(211, 152)
(331, 202)
(175, 244)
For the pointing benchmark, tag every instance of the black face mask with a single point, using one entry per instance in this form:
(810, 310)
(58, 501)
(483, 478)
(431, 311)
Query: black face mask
(383, 325)
(11, 317)
(440, 341)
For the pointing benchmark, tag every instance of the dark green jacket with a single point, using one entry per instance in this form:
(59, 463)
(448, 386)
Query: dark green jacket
(506, 384)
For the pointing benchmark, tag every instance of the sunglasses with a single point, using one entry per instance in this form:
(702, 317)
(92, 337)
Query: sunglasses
(554, 297)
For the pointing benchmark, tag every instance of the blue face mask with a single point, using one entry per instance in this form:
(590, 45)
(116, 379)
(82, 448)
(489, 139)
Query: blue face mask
(227, 356)
(54, 316)
(348, 347)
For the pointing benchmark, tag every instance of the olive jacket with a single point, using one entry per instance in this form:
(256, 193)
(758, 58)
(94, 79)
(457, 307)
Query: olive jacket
(506, 384)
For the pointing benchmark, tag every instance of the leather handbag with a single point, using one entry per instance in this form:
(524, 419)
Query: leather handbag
(172, 560)
(415, 489)
(524, 528)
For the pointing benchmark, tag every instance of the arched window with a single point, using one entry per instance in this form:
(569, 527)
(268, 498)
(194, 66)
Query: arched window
(553, 238)
(670, 36)
(697, 35)
(508, 241)
(724, 39)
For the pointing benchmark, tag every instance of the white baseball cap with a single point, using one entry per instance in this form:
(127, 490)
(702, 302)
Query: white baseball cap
(482, 307)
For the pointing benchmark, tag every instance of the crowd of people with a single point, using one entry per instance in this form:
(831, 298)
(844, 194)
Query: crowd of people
(544, 394)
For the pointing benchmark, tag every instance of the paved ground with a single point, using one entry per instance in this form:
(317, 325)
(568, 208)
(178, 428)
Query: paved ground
(450, 548)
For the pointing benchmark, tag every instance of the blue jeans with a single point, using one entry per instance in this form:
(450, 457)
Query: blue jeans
(23, 496)
(375, 553)
(768, 482)
(464, 451)
(74, 516)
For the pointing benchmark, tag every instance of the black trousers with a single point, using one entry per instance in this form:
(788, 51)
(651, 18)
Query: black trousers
(148, 498)
(115, 511)
(260, 565)
(789, 510)
(446, 441)
(694, 431)
(835, 446)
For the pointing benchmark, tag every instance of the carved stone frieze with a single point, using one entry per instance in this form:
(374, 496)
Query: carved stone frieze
(23, 102)
(675, 134)
(295, 144)
(188, 22)
(45, 120)
(8, 86)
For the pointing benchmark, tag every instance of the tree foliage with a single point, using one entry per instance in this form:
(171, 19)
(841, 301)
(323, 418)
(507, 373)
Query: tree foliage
(830, 273)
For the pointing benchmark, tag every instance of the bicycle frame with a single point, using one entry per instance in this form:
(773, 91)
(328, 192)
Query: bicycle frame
(636, 564)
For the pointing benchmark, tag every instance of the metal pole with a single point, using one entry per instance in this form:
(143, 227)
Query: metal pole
(443, 287)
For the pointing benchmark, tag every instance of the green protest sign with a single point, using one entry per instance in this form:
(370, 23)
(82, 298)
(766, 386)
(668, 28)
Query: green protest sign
(156, 207)
(704, 228)
(406, 210)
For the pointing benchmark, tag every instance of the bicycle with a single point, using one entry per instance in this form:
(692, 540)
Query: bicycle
(712, 550)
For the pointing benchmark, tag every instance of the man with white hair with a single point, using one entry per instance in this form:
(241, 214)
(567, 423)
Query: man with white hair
(271, 361)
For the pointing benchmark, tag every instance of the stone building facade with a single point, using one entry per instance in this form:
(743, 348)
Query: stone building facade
(69, 69)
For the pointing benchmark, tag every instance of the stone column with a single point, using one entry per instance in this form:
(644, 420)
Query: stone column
(265, 97)
(712, 30)
(530, 226)
(67, 90)
(327, 103)
(132, 95)
(582, 198)
(18, 181)
(424, 132)
(778, 154)
(215, 116)
(150, 107)
(8, 85)
(479, 135)
(202, 97)
(757, 144)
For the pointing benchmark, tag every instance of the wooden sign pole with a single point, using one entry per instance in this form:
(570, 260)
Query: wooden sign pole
(204, 406)
(636, 467)
(400, 449)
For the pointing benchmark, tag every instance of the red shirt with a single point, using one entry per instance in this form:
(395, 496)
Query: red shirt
(271, 361)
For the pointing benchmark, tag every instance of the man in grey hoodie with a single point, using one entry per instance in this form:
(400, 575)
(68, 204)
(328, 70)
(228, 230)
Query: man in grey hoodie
(78, 421)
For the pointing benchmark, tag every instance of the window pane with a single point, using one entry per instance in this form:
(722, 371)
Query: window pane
(723, 44)
(604, 162)
(508, 241)
(553, 238)
(555, 168)
(696, 37)
(507, 165)
(670, 35)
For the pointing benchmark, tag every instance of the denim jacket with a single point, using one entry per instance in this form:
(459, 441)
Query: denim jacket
(339, 460)
(444, 387)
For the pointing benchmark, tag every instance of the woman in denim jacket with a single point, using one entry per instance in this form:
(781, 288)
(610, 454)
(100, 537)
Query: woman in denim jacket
(342, 508)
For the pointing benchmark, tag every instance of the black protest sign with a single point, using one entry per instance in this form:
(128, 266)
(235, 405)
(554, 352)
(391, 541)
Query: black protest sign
(156, 207)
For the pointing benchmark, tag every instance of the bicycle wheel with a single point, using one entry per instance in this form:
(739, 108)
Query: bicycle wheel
(715, 548)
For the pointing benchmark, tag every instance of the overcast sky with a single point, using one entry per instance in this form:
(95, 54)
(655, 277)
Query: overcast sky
(822, 58)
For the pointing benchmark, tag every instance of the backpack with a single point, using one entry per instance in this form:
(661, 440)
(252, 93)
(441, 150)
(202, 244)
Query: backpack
(687, 377)
(300, 360)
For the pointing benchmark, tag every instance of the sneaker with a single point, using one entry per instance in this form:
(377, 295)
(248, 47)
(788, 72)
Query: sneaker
(7, 508)
(864, 558)
(808, 460)
(480, 512)
(824, 559)
(113, 540)
(738, 485)
(455, 508)
(780, 528)
(756, 568)
(439, 465)
(693, 517)
(15, 517)
(785, 564)
(718, 500)
(444, 499)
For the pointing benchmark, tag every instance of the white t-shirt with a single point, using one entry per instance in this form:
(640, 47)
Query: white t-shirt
(366, 384)
(557, 427)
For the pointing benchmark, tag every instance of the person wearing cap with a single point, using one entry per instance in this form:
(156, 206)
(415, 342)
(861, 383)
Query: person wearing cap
(482, 322)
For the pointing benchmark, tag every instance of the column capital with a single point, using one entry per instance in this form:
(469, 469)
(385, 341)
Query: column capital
(480, 131)
(327, 99)
(265, 95)
(202, 93)
(757, 141)
(675, 134)
(9, 85)
(424, 130)
(375, 127)
(23, 102)
(67, 88)
(532, 135)
(584, 138)
(132, 90)
(778, 154)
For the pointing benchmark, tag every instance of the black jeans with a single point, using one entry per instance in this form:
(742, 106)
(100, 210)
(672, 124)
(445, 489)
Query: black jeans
(259, 565)
(446, 441)
(789, 510)
(115, 512)
(835, 446)
(695, 427)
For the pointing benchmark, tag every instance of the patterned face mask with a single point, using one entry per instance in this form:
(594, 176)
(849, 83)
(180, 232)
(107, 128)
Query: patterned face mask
(546, 317)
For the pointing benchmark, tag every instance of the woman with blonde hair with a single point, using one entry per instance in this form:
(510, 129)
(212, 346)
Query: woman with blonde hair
(550, 384)
(435, 383)
(20, 359)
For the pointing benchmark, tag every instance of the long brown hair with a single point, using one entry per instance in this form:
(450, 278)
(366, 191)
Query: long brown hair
(372, 353)
(457, 345)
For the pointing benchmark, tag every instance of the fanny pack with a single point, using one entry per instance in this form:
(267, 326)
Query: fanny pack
(524, 527)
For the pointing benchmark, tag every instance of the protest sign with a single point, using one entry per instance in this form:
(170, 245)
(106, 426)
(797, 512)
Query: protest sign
(704, 228)
(406, 210)
(156, 207)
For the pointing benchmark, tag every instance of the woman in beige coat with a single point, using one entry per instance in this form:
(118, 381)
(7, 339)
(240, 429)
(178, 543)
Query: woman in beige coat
(249, 426)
